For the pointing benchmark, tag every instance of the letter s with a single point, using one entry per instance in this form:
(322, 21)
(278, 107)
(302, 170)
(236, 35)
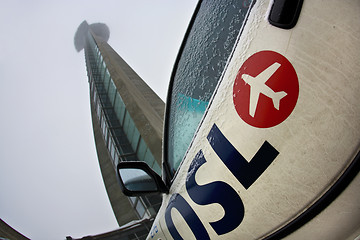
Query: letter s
(178, 202)
(215, 192)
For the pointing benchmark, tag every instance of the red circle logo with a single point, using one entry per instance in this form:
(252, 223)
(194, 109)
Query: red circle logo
(266, 89)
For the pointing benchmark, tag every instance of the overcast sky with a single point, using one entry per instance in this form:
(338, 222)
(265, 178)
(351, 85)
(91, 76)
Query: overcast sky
(50, 182)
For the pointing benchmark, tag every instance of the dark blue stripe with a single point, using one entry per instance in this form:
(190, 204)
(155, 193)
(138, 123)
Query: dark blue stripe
(246, 172)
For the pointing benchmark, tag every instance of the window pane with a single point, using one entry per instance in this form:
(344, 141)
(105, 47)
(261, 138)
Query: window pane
(135, 139)
(113, 122)
(133, 199)
(95, 96)
(122, 114)
(100, 71)
(132, 158)
(141, 150)
(110, 144)
(106, 78)
(149, 158)
(119, 108)
(98, 109)
(113, 151)
(126, 121)
(105, 132)
(130, 130)
(140, 209)
(111, 92)
(126, 149)
(156, 168)
(116, 157)
(208, 46)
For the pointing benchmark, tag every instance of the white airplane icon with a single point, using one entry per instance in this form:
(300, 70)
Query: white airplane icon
(257, 86)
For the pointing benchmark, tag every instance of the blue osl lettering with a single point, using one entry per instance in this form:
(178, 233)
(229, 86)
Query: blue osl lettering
(215, 192)
(179, 203)
(219, 192)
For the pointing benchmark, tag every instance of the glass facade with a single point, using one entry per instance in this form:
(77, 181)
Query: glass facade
(120, 134)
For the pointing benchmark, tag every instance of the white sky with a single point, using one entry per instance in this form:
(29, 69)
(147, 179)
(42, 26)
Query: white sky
(50, 182)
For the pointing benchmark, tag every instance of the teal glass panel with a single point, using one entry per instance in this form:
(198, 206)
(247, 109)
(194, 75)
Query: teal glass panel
(98, 109)
(112, 151)
(95, 96)
(111, 92)
(149, 158)
(131, 157)
(99, 58)
(91, 43)
(122, 113)
(107, 78)
(102, 75)
(130, 130)
(141, 150)
(191, 111)
(107, 73)
(119, 108)
(116, 158)
(133, 200)
(105, 132)
(156, 168)
(126, 121)
(135, 139)
(140, 209)
(110, 147)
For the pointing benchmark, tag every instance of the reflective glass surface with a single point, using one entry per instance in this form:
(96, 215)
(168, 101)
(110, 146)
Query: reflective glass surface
(202, 61)
(140, 209)
(137, 180)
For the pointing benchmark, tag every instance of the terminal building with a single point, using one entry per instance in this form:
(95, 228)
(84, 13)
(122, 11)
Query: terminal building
(127, 119)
